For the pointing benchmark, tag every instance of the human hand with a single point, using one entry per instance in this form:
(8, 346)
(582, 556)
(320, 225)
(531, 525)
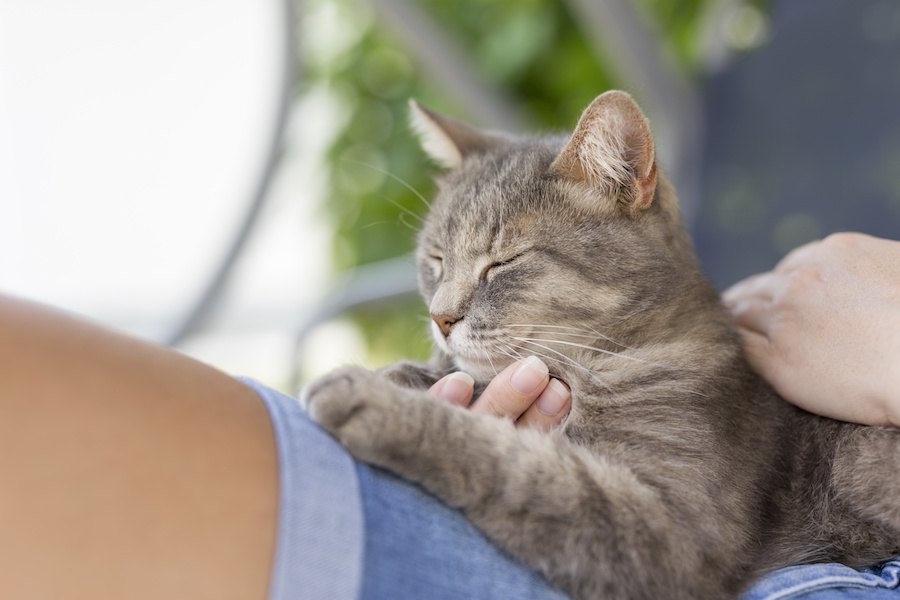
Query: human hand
(824, 327)
(523, 392)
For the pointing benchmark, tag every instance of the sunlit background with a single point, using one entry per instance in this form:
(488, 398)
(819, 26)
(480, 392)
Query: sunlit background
(237, 178)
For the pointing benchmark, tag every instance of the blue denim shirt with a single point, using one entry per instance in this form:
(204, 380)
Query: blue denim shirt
(829, 581)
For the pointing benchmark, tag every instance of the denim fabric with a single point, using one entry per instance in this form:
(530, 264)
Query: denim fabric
(347, 530)
(407, 546)
(829, 581)
(418, 548)
(320, 522)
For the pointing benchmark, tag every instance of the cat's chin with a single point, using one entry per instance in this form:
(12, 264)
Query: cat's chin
(482, 369)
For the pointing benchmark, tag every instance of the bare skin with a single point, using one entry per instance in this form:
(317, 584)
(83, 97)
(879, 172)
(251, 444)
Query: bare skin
(128, 470)
(823, 327)
(523, 392)
(132, 471)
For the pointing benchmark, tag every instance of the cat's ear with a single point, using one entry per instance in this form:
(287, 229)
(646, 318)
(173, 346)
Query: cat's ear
(612, 148)
(447, 140)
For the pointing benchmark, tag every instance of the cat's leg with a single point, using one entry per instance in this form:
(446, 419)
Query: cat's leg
(411, 374)
(588, 523)
(416, 375)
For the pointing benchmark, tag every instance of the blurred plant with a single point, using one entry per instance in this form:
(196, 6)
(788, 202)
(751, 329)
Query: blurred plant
(532, 50)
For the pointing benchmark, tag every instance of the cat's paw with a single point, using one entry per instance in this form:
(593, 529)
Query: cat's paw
(410, 374)
(355, 406)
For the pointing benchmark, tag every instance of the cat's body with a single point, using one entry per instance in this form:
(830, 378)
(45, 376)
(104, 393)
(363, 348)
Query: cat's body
(679, 473)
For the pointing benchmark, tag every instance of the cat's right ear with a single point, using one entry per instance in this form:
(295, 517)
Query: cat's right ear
(447, 140)
(612, 149)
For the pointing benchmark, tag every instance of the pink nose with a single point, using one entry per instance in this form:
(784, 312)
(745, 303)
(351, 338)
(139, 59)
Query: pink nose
(444, 323)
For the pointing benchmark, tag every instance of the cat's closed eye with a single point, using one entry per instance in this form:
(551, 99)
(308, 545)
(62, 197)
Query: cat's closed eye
(436, 261)
(488, 273)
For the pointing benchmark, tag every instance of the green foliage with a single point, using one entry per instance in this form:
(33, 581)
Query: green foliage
(532, 50)
(678, 21)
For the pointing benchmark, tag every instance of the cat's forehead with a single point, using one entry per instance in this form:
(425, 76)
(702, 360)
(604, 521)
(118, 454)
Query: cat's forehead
(508, 171)
(492, 192)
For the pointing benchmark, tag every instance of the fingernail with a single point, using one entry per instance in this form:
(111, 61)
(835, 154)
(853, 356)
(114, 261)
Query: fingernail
(457, 388)
(554, 398)
(531, 374)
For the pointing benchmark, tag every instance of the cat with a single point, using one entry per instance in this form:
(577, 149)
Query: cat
(679, 473)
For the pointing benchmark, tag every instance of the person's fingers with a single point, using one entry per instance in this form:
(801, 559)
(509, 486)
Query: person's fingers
(797, 257)
(753, 314)
(514, 389)
(456, 388)
(761, 285)
(549, 410)
(759, 353)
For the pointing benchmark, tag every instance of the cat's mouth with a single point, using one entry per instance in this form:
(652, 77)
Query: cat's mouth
(480, 357)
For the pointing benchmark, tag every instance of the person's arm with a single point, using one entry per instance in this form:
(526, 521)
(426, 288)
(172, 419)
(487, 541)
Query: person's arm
(127, 470)
(824, 327)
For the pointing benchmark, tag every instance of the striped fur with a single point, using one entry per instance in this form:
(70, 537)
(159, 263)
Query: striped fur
(679, 473)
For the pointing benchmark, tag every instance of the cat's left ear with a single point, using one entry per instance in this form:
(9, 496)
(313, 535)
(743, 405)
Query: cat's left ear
(446, 140)
(612, 149)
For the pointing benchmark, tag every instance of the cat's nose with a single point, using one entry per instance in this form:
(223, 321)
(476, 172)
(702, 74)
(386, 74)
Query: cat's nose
(444, 323)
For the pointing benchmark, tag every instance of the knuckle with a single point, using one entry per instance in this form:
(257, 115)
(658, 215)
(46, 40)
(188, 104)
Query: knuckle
(783, 324)
(802, 279)
(842, 240)
(742, 310)
(496, 409)
(503, 404)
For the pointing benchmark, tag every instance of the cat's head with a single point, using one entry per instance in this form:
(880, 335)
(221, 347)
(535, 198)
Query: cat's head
(547, 245)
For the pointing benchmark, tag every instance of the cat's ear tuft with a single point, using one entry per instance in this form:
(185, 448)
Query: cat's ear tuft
(447, 140)
(612, 149)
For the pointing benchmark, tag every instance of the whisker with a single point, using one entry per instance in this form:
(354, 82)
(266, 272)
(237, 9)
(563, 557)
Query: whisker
(532, 351)
(591, 375)
(404, 209)
(504, 352)
(550, 326)
(374, 223)
(586, 347)
(579, 329)
(566, 360)
(491, 362)
(400, 180)
(507, 349)
(590, 336)
(402, 218)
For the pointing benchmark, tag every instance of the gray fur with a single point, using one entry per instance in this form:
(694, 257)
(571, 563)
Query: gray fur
(679, 473)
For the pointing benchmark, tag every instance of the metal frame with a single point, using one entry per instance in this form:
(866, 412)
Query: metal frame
(208, 300)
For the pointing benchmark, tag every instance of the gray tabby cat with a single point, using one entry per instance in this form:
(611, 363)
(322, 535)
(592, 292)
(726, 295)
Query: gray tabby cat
(679, 473)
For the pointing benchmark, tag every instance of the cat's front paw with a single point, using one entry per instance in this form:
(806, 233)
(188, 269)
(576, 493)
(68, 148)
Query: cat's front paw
(410, 374)
(355, 406)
